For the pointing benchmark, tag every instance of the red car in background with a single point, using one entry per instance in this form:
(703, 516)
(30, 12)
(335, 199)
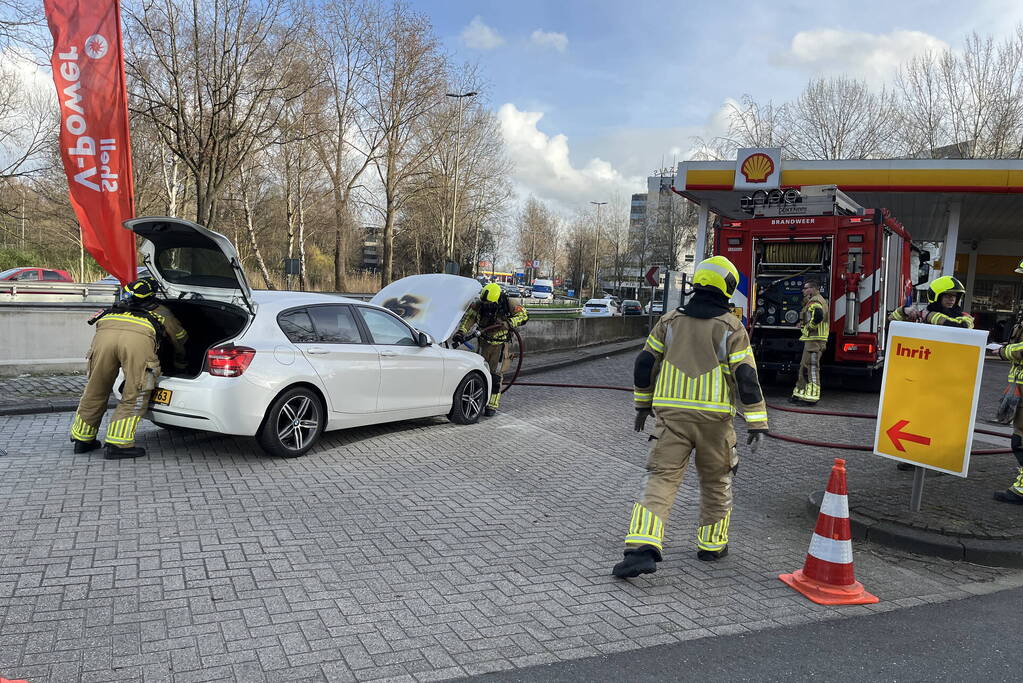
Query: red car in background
(31, 274)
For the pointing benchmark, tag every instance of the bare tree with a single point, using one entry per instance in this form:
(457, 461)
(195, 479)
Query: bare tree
(750, 124)
(537, 234)
(840, 118)
(923, 110)
(214, 77)
(28, 123)
(346, 142)
(407, 75)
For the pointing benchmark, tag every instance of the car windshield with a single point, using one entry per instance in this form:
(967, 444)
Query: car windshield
(9, 271)
(543, 289)
(596, 304)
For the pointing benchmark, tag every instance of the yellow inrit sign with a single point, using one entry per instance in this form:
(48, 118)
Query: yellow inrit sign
(929, 396)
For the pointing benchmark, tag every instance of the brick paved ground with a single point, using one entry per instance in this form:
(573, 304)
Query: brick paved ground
(415, 551)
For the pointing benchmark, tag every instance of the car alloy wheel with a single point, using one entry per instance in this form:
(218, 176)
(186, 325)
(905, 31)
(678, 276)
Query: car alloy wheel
(473, 397)
(297, 422)
(469, 400)
(293, 423)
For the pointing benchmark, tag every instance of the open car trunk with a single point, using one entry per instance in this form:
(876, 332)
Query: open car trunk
(208, 324)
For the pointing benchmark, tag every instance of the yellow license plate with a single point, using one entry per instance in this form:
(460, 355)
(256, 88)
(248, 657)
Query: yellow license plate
(162, 397)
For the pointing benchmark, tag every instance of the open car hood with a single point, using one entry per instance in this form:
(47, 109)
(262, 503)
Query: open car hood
(190, 261)
(433, 303)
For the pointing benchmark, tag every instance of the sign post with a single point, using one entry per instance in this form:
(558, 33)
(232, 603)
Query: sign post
(674, 289)
(929, 399)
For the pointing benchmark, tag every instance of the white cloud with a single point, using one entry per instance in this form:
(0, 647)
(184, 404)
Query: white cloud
(874, 57)
(479, 36)
(543, 164)
(558, 41)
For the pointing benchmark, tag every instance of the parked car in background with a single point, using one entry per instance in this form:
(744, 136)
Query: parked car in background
(543, 289)
(632, 307)
(286, 366)
(33, 274)
(513, 291)
(600, 308)
(140, 272)
(655, 307)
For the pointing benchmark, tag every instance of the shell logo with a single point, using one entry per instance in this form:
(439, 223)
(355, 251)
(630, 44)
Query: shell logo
(757, 168)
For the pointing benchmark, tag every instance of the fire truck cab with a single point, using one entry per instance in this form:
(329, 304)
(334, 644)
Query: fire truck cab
(861, 257)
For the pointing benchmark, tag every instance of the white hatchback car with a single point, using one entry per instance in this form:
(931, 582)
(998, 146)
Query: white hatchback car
(287, 366)
(600, 308)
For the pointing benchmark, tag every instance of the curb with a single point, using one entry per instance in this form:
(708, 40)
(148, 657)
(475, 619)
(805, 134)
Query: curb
(39, 406)
(592, 355)
(983, 551)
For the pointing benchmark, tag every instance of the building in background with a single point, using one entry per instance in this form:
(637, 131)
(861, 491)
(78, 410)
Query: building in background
(371, 249)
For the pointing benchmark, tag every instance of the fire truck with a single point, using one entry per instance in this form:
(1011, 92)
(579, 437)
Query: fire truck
(862, 257)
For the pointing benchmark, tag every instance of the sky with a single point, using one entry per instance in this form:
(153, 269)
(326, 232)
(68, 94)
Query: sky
(593, 96)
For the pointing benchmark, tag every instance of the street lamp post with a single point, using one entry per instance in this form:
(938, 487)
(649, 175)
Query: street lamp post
(596, 249)
(454, 198)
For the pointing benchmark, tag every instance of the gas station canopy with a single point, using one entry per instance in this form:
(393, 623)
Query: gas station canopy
(920, 193)
(974, 207)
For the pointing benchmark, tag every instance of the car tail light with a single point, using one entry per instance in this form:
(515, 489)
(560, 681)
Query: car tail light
(229, 360)
(858, 348)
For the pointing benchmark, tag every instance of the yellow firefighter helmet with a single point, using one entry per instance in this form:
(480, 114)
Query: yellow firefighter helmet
(491, 293)
(945, 285)
(1019, 268)
(717, 273)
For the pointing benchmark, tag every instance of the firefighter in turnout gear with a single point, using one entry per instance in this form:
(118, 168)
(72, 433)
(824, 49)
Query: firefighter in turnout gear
(491, 319)
(696, 366)
(127, 338)
(1013, 351)
(814, 335)
(944, 296)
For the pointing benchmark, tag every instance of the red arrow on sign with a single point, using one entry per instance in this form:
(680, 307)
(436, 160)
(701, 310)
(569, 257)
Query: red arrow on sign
(897, 436)
(651, 276)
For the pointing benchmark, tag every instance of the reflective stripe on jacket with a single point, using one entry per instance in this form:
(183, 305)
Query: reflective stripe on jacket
(933, 318)
(1014, 353)
(814, 315)
(694, 373)
(472, 317)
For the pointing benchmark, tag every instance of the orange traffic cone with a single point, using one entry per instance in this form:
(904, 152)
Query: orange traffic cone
(827, 575)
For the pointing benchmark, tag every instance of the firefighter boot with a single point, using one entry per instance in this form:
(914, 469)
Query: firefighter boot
(86, 446)
(491, 409)
(641, 560)
(119, 453)
(711, 555)
(1014, 494)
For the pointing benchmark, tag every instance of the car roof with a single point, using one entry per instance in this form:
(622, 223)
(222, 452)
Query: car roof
(273, 300)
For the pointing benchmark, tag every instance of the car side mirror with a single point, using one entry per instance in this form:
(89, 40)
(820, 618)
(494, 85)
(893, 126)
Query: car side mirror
(424, 339)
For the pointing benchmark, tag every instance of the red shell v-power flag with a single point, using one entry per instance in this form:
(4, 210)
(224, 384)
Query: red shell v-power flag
(88, 70)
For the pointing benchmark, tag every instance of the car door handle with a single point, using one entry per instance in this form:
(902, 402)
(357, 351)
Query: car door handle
(317, 350)
(388, 352)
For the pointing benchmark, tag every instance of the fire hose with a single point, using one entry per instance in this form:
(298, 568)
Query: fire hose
(785, 437)
(773, 435)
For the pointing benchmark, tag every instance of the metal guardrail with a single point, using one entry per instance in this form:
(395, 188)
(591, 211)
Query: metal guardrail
(56, 293)
(48, 293)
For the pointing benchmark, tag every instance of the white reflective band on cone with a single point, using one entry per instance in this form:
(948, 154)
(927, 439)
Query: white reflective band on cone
(835, 505)
(829, 550)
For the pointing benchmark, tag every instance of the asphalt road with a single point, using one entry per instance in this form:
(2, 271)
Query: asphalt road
(975, 639)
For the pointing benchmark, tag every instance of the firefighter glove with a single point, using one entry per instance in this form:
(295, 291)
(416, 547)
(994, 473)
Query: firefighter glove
(754, 439)
(641, 416)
